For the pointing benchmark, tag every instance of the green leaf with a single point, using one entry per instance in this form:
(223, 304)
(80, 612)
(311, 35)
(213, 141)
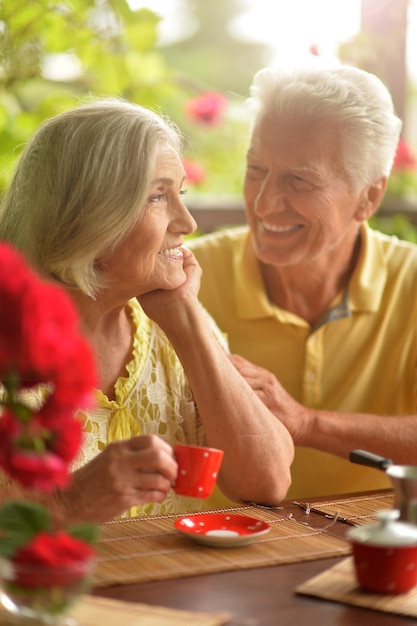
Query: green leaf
(85, 531)
(20, 521)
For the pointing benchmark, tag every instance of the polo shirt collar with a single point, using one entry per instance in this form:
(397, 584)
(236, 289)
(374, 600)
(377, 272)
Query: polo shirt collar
(365, 289)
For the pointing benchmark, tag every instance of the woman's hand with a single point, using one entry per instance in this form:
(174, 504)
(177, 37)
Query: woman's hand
(127, 473)
(159, 304)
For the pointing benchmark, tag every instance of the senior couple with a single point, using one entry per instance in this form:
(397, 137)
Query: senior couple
(319, 310)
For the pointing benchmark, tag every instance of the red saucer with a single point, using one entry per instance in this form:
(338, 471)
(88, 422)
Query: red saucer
(222, 529)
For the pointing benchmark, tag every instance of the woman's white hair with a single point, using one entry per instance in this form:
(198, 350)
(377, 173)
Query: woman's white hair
(355, 102)
(80, 185)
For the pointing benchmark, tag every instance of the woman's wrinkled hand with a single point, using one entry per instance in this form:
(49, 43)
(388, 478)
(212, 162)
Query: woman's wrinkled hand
(127, 473)
(159, 304)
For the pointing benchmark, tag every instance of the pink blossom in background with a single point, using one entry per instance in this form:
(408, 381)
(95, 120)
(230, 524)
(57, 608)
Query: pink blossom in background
(208, 108)
(314, 50)
(405, 158)
(194, 172)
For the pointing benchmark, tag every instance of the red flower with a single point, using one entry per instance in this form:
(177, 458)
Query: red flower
(10, 430)
(67, 441)
(48, 324)
(194, 172)
(40, 345)
(38, 453)
(38, 470)
(66, 556)
(405, 158)
(15, 279)
(47, 373)
(208, 108)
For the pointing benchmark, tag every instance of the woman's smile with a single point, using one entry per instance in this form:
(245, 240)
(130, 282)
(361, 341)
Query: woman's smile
(172, 253)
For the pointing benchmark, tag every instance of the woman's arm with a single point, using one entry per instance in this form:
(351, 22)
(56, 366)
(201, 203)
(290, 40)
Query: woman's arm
(258, 449)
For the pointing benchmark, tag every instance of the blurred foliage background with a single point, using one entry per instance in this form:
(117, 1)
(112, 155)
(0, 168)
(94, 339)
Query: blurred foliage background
(54, 53)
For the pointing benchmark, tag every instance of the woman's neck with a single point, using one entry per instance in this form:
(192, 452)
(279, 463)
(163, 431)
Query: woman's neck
(109, 332)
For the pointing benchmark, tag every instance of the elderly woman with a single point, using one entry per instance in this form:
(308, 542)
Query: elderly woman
(320, 309)
(96, 205)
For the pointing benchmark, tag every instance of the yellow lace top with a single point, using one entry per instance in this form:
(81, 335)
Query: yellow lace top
(154, 398)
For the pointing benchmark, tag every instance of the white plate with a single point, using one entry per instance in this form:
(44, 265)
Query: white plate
(222, 530)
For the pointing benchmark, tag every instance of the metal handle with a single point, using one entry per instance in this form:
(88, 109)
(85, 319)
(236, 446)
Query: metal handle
(362, 457)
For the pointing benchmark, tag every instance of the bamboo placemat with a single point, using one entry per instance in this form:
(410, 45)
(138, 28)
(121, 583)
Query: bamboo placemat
(147, 549)
(91, 611)
(339, 584)
(355, 510)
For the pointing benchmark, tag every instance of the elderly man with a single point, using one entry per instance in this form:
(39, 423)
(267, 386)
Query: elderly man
(320, 310)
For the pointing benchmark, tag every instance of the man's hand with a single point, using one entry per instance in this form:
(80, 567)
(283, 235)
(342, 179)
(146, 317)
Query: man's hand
(293, 415)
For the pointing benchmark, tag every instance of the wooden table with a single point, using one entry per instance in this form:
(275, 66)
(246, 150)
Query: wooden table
(259, 597)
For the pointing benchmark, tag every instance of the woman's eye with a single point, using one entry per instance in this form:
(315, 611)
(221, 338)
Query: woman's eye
(163, 197)
(157, 197)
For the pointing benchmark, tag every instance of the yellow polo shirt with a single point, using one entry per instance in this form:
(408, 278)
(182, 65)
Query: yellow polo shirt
(362, 358)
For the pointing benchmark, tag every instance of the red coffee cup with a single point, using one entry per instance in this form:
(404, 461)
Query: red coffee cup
(198, 468)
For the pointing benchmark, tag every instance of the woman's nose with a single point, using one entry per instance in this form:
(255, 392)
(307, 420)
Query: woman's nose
(183, 220)
(192, 224)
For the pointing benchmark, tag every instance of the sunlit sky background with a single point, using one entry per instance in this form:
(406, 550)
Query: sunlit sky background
(290, 27)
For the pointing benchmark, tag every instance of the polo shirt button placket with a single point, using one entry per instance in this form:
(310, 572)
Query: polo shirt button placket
(312, 367)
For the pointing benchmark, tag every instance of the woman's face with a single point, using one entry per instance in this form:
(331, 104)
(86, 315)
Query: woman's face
(298, 201)
(150, 256)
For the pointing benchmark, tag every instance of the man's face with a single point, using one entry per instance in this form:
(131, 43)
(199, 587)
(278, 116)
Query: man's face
(298, 201)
